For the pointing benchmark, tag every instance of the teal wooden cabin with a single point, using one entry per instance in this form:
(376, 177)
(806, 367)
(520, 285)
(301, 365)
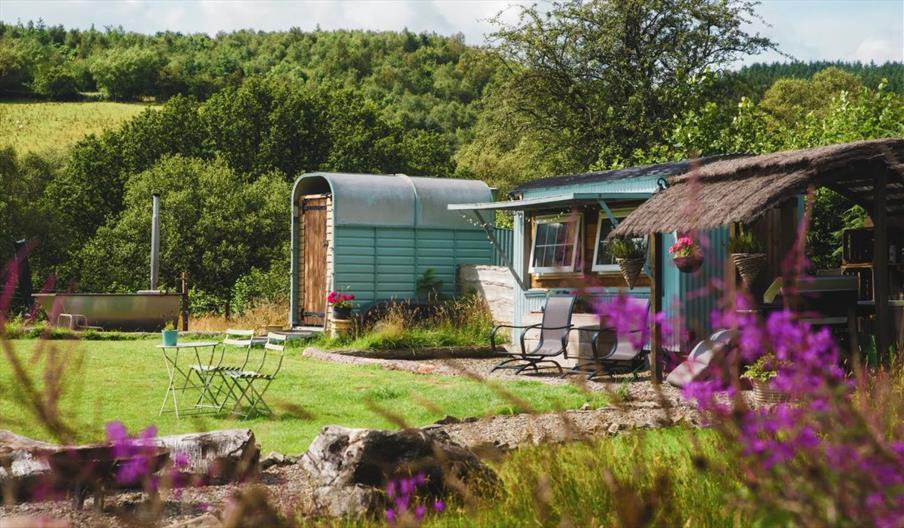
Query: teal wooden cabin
(375, 235)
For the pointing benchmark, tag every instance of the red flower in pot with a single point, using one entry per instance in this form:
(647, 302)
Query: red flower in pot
(341, 303)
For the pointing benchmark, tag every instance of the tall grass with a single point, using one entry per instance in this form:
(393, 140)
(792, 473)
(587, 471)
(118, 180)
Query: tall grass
(674, 477)
(465, 321)
(258, 317)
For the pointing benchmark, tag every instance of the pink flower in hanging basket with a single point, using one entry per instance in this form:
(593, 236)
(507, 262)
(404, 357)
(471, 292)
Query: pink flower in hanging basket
(685, 246)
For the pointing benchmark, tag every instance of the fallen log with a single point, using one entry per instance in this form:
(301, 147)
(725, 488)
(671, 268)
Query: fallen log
(213, 457)
(23, 465)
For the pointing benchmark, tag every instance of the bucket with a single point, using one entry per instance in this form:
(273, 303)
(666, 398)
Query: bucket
(169, 337)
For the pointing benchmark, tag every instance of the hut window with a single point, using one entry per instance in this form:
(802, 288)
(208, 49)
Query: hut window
(602, 260)
(555, 244)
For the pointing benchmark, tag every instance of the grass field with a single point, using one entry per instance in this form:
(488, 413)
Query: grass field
(36, 127)
(125, 380)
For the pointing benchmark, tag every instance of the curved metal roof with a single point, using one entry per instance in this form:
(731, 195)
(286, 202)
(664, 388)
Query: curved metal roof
(393, 200)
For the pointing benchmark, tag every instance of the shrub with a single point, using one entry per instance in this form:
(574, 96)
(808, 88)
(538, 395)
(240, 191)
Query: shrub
(57, 83)
(259, 286)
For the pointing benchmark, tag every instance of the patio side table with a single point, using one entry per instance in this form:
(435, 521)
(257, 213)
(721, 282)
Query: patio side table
(180, 374)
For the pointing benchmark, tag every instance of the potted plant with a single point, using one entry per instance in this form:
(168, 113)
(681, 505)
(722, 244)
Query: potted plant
(760, 374)
(686, 254)
(748, 255)
(630, 255)
(341, 304)
(170, 334)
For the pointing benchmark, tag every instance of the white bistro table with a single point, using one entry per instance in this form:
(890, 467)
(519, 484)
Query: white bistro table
(180, 374)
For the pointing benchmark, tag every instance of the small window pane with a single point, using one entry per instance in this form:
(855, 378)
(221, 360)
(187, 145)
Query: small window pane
(554, 244)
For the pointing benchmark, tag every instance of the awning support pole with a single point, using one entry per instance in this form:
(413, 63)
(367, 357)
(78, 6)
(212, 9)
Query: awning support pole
(656, 345)
(505, 258)
(605, 207)
(880, 262)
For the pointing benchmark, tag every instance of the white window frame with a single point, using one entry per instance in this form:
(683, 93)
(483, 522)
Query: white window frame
(564, 218)
(619, 214)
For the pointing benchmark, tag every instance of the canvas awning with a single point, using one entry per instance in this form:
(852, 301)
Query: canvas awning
(548, 202)
(744, 189)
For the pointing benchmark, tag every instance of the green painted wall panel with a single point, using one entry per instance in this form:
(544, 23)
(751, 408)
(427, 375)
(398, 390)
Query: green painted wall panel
(378, 263)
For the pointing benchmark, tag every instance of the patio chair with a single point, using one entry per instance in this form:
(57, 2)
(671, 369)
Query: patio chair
(619, 355)
(252, 385)
(210, 372)
(553, 342)
(699, 359)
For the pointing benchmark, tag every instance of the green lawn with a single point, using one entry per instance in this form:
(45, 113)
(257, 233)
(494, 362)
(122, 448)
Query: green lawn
(125, 380)
(31, 126)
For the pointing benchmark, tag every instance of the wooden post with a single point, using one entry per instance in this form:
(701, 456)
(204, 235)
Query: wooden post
(880, 262)
(655, 244)
(185, 301)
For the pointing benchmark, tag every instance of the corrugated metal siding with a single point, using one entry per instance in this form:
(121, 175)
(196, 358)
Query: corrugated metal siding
(506, 240)
(536, 299)
(701, 291)
(628, 185)
(690, 298)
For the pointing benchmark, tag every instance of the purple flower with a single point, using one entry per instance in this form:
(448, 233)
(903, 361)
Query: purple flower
(439, 506)
(391, 489)
(419, 511)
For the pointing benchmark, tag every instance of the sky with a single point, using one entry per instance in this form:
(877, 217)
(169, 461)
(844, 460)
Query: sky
(864, 30)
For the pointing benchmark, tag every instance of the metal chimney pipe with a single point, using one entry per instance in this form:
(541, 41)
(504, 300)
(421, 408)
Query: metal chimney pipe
(155, 240)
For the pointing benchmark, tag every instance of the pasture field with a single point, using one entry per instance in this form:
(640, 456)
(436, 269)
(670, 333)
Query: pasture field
(125, 381)
(34, 127)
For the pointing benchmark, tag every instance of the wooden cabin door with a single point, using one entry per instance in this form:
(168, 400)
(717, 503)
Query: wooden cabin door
(313, 211)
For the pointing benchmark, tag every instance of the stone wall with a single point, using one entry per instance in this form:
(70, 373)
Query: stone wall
(493, 283)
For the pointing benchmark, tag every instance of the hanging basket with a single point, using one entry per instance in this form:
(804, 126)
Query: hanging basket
(688, 264)
(764, 394)
(749, 265)
(630, 269)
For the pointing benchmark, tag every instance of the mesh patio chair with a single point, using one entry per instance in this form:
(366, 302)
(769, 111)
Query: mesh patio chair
(615, 353)
(554, 330)
(252, 385)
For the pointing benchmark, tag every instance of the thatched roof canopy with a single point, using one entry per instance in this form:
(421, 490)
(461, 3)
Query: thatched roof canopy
(743, 189)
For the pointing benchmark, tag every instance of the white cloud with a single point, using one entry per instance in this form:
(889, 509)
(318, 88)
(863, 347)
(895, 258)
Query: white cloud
(878, 50)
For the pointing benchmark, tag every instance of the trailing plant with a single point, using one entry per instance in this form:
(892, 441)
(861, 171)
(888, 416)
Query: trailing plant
(746, 242)
(628, 248)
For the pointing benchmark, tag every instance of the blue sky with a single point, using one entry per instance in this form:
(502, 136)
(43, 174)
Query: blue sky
(865, 30)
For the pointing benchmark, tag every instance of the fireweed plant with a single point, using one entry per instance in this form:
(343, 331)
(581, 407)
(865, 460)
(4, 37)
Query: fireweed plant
(410, 502)
(833, 454)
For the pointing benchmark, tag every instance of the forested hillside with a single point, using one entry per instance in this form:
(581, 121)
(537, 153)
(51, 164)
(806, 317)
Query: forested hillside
(241, 114)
